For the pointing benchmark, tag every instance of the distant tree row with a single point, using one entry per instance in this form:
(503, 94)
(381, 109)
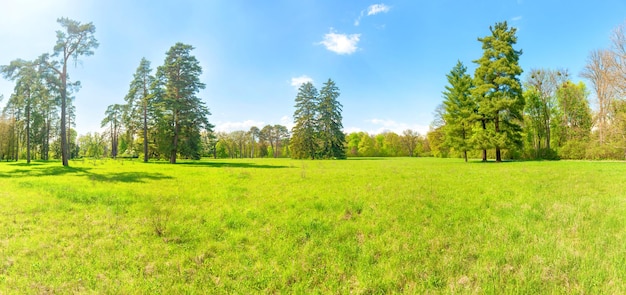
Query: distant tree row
(387, 144)
(548, 116)
(271, 141)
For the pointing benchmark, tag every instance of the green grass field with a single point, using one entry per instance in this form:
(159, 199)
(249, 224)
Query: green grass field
(287, 226)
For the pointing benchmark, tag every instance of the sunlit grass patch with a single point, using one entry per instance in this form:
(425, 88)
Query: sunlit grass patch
(267, 225)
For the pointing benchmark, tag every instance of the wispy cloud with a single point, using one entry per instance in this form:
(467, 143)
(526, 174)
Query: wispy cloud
(373, 9)
(298, 81)
(382, 125)
(341, 43)
(235, 126)
(377, 8)
(517, 18)
(287, 121)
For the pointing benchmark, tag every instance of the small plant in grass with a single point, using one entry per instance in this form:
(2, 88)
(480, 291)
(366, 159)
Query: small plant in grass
(160, 218)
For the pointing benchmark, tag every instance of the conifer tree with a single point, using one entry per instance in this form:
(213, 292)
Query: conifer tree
(330, 126)
(498, 89)
(460, 112)
(77, 40)
(182, 114)
(138, 99)
(304, 140)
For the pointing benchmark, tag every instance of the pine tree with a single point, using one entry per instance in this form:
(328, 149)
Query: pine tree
(77, 40)
(138, 99)
(330, 126)
(182, 114)
(304, 140)
(498, 90)
(460, 112)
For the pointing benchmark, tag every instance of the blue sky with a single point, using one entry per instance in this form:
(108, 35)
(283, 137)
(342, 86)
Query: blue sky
(388, 58)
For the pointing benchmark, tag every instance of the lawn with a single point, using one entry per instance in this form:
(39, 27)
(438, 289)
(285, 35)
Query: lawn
(388, 225)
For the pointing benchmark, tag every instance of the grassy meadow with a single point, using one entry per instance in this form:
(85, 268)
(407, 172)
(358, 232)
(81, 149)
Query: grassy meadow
(392, 225)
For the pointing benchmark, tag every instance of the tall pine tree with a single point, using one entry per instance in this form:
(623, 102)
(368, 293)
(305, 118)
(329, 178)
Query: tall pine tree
(460, 110)
(498, 89)
(138, 99)
(183, 114)
(304, 139)
(330, 126)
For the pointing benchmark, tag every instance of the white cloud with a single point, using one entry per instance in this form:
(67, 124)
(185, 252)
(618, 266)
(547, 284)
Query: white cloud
(517, 18)
(298, 81)
(235, 126)
(373, 9)
(396, 127)
(377, 8)
(341, 43)
(287, 121)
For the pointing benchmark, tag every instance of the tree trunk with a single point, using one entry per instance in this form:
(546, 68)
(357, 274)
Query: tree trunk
(28, 129)
(548, 135)
(496, 122)
(145, 132)
(484, 123)
(175, 139)
(64, 149)
(465, 156)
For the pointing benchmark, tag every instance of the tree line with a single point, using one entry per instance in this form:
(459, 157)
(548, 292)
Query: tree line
(162, 111)
(546, 116)
(490, 114)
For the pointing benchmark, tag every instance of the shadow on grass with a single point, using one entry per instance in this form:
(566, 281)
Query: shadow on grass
(478, 161)
(25, 164)
(108, 177)
(365, 158)
(223, 164)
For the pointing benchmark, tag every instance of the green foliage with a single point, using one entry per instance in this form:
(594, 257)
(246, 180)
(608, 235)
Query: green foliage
(329, 123)
(318, 128)
(113, 118)
(304, 135)
(182, 115)
(460, 110)
(498, 90)
(140, 114)
(395, 225)
(76, 40)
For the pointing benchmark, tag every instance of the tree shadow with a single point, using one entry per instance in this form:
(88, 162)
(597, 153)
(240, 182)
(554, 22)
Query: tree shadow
(85, 172)
(478, 161)
(25, 164)
(223, 164)
(127, 177)
(365, 159)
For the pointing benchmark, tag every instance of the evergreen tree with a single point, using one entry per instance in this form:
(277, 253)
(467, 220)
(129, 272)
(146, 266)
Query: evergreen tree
(182, 114)
(138, 99)
(77, 39)
(330, 127)
(498, 89)
(304, 141)
(460, 110)
(113, 118)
